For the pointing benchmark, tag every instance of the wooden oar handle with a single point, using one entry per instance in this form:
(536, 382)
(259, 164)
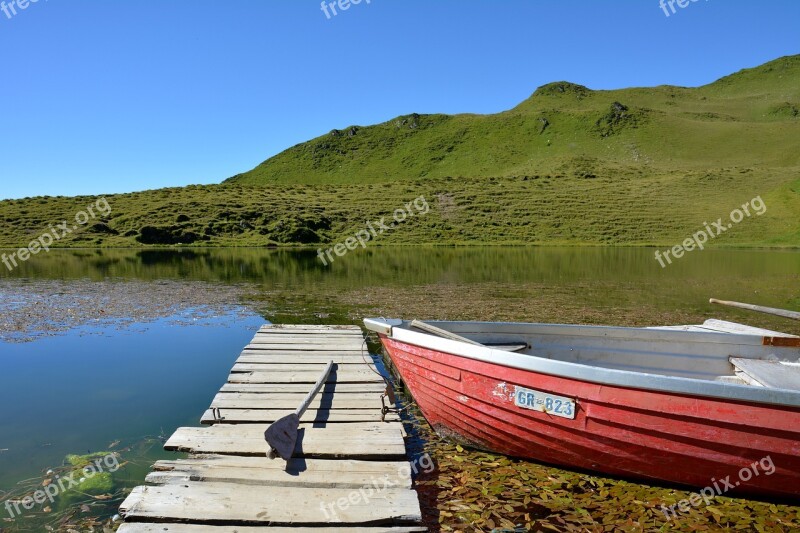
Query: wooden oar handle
(794, 315)
(317, 386)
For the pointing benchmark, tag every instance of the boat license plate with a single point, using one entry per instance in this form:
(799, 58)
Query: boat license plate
(546, 403)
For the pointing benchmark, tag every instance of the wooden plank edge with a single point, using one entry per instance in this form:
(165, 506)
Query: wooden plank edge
(144, 527)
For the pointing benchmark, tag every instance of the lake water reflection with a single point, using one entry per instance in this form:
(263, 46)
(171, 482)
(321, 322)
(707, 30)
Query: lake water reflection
(81, 390)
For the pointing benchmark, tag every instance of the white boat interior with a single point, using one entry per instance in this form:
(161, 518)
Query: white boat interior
(716, 351)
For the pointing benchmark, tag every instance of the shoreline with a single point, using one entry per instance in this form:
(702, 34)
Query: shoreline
(301, 247)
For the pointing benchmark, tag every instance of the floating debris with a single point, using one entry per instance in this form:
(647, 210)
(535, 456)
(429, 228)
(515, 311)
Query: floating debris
(43, 308)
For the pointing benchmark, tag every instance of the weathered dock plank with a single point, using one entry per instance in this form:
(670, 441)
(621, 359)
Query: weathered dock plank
(245, 400)
(293, 350)
(304, 359)
(220, 502)
(311, 342)
(344, 370)
(321, 346)
(308, 367)
(267, 338)
(343, 473)
(339, 388)
(251, 416)
(298, 332)
(358, 440)
(304, 376)
(316, 328)
(307, 331)
(189, 528)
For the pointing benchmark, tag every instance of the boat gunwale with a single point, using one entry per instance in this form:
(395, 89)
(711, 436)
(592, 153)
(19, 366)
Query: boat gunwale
(397, 330)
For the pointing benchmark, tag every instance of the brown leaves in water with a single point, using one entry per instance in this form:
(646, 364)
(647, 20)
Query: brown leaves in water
(473, 491)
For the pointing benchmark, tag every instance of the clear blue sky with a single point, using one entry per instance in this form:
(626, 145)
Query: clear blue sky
(107, 96)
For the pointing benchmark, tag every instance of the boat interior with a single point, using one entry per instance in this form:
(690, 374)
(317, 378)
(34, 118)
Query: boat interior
(715, 351)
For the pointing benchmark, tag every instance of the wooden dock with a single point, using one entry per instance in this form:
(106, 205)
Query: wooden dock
(349, 471)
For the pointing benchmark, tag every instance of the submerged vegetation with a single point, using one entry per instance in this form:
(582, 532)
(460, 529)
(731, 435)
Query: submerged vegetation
(81, 494)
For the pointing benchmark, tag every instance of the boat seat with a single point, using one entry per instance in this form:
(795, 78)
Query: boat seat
(722, 326)
(773, 374)
(742, 329)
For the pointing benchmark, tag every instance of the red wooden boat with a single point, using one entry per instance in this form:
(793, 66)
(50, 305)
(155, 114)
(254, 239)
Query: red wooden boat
(716, 405)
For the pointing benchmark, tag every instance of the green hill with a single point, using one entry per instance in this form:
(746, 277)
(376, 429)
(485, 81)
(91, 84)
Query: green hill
(569, 165)
(744, 120)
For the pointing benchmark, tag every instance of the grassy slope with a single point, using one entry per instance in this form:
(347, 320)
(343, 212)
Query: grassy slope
(565, 166)
(745, 120)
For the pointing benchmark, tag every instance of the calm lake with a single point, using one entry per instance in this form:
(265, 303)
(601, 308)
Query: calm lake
(127, 379)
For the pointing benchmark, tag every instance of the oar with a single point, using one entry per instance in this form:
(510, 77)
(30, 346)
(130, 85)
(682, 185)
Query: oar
(281, 435)
(768, 310)
(439, 332)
